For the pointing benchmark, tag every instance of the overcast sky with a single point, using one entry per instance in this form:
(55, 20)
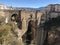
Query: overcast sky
(29, 3)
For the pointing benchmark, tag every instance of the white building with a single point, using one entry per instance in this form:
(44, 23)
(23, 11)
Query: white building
(6, 7)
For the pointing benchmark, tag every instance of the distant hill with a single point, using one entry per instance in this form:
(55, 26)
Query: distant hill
(50, 7)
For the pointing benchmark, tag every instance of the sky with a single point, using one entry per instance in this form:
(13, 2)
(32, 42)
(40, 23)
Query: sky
(29, 3)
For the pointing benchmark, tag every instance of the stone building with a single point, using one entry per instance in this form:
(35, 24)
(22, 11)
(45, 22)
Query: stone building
(25, 20)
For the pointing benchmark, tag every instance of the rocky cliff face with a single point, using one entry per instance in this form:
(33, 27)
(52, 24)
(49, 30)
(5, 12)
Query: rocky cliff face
(52, 11)
(53, 7)
(29, 21)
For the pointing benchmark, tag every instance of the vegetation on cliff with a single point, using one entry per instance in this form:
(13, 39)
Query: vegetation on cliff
(4, 31)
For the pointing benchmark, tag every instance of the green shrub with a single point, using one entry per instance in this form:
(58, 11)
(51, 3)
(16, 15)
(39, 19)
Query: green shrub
(4, 31)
